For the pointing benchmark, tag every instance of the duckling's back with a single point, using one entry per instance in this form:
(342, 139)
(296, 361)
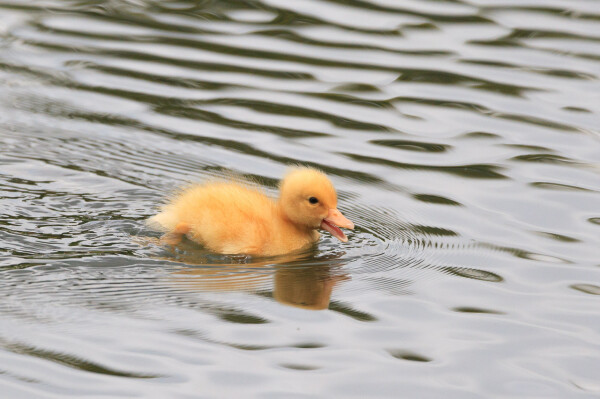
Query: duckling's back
(224, 217)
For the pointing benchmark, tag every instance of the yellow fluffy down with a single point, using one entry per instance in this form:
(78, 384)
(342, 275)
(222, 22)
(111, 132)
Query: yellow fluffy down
(236, 218)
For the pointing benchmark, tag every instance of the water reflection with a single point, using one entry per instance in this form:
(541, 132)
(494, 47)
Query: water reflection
(307, 287)
(304, 280)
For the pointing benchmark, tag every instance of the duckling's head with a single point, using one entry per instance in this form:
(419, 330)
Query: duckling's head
(308, 199)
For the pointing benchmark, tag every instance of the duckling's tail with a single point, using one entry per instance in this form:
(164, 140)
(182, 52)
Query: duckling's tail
(164, 221)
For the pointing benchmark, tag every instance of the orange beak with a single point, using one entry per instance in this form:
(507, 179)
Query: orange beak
(334, 221)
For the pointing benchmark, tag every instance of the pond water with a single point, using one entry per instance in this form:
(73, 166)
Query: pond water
(462, 137)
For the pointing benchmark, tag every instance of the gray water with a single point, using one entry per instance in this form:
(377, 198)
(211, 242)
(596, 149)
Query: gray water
(462, 137)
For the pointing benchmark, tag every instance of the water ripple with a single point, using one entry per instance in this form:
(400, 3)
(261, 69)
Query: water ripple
(462, 138)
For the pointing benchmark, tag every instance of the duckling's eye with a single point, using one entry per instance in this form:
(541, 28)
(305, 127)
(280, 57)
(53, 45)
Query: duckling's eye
(313, 200)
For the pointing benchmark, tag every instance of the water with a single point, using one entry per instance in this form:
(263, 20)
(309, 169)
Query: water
(462, 138)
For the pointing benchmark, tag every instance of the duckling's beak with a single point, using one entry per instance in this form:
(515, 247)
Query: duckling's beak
(334, 221)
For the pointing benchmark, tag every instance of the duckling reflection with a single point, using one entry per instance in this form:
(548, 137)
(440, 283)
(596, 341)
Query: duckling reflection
(299, 280)
(308, 287)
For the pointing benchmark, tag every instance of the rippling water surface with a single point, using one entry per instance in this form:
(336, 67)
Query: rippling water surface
(462, 137)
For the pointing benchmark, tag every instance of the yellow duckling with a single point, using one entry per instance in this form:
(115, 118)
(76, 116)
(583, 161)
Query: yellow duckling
(236, 218)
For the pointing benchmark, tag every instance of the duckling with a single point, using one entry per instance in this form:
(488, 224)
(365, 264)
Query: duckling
(235, 218)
